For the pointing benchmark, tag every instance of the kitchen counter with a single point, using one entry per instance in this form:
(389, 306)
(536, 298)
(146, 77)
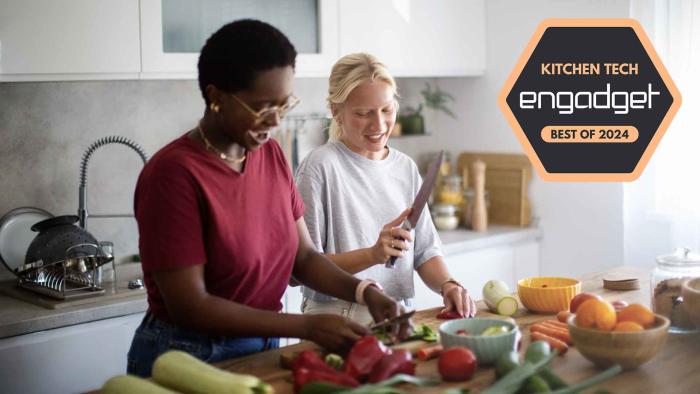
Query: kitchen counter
(674, 369)
(19, 317)
(462, 240)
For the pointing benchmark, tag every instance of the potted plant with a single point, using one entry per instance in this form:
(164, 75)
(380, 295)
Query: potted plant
(434, 99)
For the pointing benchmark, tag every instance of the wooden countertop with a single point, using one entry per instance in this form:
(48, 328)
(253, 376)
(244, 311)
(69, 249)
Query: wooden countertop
(674, 370)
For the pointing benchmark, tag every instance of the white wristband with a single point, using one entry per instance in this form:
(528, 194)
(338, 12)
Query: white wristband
(360, 290)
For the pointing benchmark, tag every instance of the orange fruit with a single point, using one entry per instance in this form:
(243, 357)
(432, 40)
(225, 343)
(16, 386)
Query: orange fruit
(595, 313)
(637, 313)
(628, 326)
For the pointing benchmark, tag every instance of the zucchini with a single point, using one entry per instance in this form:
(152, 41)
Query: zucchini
(497, 297)
(129, 384)
(182, 372)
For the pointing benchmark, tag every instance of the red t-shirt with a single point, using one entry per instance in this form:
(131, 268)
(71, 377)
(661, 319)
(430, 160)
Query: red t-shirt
(193, 209)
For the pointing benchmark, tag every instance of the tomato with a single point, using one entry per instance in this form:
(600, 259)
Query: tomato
(457, 364)
(580, 298)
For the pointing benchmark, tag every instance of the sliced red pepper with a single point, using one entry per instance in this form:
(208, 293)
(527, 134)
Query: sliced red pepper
(304, 376)
(365, 353)
(429, 352)
(448, 315)
(309, 359)
(463, 332)
(400, 361)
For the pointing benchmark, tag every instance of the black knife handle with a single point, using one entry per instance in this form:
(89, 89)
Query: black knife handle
(392, 260)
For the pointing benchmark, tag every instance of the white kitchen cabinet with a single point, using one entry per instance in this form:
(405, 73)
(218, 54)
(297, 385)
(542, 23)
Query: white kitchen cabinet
(417, 38)
(292, 304)
(69, 359)
(49, 40)
(474, 268)
(173, 32)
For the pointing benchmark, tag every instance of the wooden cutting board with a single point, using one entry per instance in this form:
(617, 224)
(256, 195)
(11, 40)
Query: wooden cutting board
(507, 180)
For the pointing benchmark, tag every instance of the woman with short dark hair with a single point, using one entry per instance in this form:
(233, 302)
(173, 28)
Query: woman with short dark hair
(221, 222)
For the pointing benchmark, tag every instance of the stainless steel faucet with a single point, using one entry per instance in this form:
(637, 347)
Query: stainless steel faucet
(82, 191)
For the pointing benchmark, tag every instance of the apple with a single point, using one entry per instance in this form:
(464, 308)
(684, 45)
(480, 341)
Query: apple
(580, 298)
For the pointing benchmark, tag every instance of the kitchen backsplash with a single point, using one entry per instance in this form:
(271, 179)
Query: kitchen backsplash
(46, 126)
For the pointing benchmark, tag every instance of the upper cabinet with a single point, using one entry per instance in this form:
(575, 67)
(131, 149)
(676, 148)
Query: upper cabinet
(174, 31)
(417, 38)
(49, 40)
(161, 39)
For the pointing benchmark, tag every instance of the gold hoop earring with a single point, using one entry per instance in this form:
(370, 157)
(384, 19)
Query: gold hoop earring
(214, 107)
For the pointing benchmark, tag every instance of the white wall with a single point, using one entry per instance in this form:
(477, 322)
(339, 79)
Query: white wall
(46, 127)
(582, 222)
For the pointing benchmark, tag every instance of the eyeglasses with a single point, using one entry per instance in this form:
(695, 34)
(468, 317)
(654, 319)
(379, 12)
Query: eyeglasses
(279, 111)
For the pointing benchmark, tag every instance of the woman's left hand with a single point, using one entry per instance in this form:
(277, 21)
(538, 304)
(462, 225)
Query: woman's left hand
(457, 299)
(383, 307)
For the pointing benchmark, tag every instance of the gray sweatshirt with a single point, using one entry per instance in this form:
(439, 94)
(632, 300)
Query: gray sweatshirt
(349, 198)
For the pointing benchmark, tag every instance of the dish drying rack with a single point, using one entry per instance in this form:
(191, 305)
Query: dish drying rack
(75, 277)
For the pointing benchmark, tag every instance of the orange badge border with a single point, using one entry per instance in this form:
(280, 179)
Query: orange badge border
(656, 60)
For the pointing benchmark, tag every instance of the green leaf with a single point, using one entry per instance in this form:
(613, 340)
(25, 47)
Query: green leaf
(437, 99)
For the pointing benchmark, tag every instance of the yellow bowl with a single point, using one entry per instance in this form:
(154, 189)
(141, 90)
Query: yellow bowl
(547, 294)
(629, 349)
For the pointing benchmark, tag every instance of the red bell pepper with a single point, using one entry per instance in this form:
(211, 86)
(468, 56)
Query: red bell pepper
(303, 376)
(309, 359)
(427, 353)
(366, 352)
(400, 361)
(448, 315)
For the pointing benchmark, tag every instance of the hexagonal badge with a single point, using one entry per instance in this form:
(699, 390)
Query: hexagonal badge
(589, 100)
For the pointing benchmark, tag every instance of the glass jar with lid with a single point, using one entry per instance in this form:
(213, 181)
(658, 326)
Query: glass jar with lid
(445, 216)
(451, 191)
(666, 280)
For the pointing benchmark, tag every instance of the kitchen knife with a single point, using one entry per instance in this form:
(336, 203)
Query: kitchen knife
(393, 321)
(420, 200)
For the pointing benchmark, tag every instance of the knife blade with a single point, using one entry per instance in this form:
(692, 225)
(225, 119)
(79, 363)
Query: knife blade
(421, 199)
(394, 320)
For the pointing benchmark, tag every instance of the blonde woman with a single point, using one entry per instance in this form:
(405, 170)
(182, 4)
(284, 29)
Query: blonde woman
(356, 190)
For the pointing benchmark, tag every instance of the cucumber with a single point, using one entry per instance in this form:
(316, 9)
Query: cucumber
(182, 372)
(128, 384)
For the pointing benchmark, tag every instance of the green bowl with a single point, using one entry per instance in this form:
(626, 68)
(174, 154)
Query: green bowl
(487, 349)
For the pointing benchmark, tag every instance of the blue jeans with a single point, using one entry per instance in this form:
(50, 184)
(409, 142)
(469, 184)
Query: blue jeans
(154, 337)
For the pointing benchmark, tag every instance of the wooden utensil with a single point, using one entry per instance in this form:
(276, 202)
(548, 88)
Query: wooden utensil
(479, 214)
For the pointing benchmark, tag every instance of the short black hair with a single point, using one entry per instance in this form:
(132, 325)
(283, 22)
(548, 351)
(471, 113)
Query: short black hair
(234, 55)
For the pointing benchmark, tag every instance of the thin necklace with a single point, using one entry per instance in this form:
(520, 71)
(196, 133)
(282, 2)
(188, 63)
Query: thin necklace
(222, 155)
